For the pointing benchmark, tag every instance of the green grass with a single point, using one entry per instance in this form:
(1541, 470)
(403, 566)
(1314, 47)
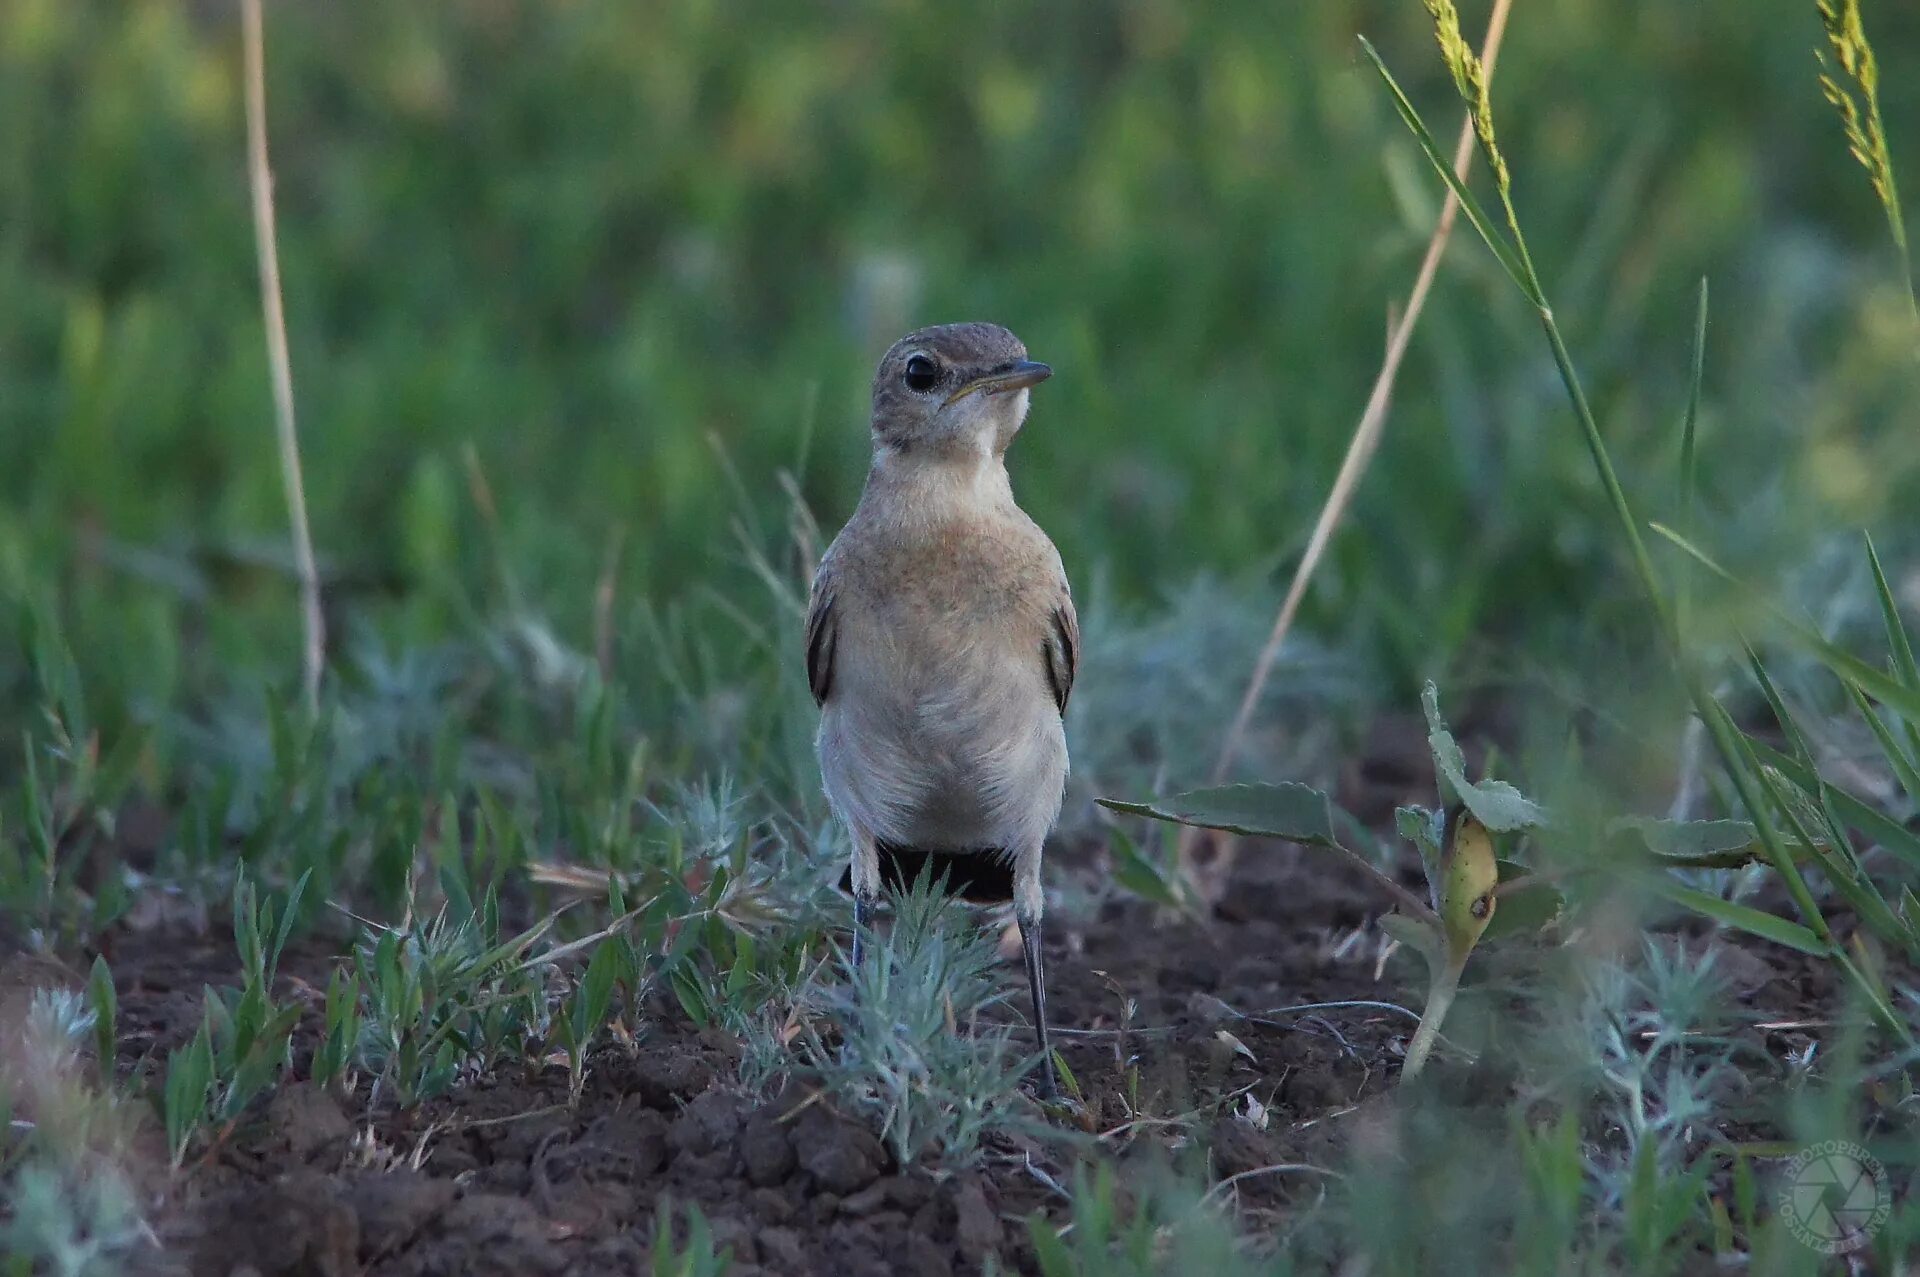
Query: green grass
(583, 302)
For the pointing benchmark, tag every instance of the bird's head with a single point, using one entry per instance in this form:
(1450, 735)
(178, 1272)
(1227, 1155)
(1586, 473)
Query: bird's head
(957, 390)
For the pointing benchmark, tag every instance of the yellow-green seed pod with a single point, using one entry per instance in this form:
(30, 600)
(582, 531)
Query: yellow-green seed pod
(1469, 874)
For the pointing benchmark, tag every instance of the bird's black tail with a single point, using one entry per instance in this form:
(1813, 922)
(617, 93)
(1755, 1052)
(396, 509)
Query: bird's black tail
(981, 876)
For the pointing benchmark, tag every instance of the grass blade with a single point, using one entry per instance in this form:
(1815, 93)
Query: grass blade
(1841, 870)
(1756, 922)
(1897, 760)
(1844, 665)
(1886, 832)
(1897, 642)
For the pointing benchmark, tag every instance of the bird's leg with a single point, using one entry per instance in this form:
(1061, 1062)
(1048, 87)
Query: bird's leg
(1029, 902)
(866, 891)
(862, 923)
(1037, 982)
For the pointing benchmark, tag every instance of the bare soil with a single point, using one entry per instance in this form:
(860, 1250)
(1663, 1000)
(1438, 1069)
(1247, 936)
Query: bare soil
(1187, 1037)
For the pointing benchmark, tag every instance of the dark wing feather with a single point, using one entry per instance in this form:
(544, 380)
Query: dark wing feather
(822, 637)
(1062, 651)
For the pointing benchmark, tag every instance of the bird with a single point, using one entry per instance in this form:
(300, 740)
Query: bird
(942, 645)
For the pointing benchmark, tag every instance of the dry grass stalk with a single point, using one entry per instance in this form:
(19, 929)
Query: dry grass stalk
(1209, 873)
(260, 179)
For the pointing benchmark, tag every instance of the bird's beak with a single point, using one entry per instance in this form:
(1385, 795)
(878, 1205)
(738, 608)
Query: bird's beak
(1015, 376)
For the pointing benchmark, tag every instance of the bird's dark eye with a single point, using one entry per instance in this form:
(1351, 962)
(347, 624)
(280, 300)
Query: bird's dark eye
(922, 373)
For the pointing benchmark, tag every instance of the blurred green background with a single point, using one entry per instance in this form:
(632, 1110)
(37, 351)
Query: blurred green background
(640, 258)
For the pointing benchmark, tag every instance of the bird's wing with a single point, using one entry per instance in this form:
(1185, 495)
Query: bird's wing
(822, 636)
(1062, 648)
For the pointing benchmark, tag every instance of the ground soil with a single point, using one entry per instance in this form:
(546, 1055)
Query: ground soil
(1184, 1034)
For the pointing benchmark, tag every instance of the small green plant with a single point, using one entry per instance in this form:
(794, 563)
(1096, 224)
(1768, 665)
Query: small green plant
(106, 1017)
(585, 1009)
(1165, 1225)
(443, 995)
(251, 1033)
(58, 1226)
(1464, 875)
(902, 1039)
(340, 1034)
(243, 1042)
(693, 1257)
(69, 795)
(186, 1089)
(69, 1206)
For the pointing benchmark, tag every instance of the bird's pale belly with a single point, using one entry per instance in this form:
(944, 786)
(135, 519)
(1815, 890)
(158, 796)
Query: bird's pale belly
(968, 765)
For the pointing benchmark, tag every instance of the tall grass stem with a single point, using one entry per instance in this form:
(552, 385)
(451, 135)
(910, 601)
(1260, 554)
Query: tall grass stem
(260, 180)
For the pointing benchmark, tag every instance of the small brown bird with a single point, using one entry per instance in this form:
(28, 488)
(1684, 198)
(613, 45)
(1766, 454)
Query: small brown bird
(942, 643)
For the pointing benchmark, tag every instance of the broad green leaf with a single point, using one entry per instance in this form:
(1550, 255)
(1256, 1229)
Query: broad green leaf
(1693, 844)
(1424, 829)
(1422, 937)
(1137, 874)
(1295, 812)
(1494, 803)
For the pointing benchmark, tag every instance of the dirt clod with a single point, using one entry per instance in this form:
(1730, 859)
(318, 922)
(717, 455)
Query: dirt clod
(780, 1247)
(842, 1157)
(708, 1125)
(767, 1151)
(296, 1226)
(976, 1229)
(922, 1258)
(308, 1120)
(393, 1208)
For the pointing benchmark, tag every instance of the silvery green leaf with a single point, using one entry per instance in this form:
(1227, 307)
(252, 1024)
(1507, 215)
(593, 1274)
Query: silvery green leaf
(1495, 803)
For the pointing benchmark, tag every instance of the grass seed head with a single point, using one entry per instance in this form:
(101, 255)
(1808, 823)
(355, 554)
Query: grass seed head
(1470, 79)
(1859, 115)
